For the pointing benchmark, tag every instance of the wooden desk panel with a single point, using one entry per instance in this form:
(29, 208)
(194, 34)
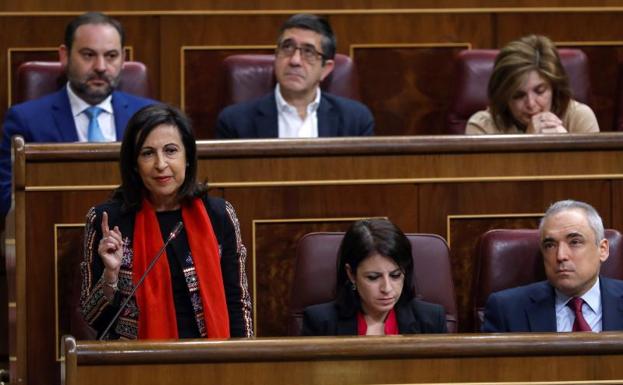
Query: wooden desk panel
(454, 186)
(528, 358)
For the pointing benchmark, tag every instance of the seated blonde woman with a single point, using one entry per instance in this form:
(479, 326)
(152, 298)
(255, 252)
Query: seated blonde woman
(529, 93)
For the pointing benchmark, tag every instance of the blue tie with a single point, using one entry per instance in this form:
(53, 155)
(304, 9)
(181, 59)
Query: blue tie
(94, 133)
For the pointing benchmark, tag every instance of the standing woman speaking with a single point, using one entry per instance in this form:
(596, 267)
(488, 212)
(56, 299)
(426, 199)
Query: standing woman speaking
(198, 288)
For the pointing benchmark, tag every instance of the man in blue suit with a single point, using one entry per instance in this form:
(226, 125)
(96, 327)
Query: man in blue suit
(88, 108)
(297, 108)
(574, 297)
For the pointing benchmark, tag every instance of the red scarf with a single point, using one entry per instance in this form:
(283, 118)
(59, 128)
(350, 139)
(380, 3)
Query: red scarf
(155, 296)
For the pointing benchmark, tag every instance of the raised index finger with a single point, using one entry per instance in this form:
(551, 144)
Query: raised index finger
(105, 228)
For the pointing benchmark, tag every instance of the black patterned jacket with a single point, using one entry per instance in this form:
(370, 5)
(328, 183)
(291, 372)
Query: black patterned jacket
(98, 311)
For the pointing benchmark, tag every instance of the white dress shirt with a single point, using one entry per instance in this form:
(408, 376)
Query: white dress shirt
(591, 310)
(290, 123)
(105, 118)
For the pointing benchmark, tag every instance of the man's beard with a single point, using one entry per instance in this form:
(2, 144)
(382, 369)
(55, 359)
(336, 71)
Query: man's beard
(91, 94)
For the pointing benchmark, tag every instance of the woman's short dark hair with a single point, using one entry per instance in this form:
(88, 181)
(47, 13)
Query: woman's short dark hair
(143, 122)
(515, 60)
(363, 239)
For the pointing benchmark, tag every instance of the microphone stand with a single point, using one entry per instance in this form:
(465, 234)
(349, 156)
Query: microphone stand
(174, 233)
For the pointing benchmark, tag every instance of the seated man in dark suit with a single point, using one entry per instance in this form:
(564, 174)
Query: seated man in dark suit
(297, 108)
(88, 108)
(574, 297)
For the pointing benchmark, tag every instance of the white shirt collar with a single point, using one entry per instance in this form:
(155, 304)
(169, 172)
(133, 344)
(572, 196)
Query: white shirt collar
(283, 105)
(592, 298)
(78, 105)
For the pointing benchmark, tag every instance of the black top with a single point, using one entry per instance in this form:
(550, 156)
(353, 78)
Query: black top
(413, 317)
(177, 251)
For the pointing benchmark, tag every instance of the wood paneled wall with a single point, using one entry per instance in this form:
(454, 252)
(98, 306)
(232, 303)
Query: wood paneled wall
(403, 49)
(404, 55)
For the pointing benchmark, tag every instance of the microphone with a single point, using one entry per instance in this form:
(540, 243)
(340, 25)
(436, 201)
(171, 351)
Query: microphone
(172, 235)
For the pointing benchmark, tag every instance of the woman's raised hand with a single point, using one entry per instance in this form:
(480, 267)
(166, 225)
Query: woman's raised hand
(110, 249)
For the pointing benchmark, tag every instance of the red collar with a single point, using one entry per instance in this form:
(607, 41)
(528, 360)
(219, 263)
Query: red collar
(391, 324)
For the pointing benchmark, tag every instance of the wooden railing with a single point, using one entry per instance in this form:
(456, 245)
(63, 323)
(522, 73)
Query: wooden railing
(578, 358)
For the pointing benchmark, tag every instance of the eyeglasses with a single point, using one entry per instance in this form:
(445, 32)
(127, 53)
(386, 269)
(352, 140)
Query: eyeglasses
(308, 53)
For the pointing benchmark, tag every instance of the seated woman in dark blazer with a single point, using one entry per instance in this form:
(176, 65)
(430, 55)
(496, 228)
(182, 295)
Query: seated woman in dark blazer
(375, 294)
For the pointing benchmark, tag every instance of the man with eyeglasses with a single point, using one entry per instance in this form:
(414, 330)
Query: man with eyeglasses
(297, 108)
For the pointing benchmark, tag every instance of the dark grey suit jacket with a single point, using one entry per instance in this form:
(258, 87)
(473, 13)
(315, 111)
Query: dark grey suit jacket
(258, 118)
(531, 308)
(415, 317)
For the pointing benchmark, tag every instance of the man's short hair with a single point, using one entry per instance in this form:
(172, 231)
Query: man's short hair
(317, 24)
(91, 18)
(592, 216)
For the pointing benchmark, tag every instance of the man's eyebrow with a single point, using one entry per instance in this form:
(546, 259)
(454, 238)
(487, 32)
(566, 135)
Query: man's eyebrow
(547, 239)
(571, 235)
(575, 235)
